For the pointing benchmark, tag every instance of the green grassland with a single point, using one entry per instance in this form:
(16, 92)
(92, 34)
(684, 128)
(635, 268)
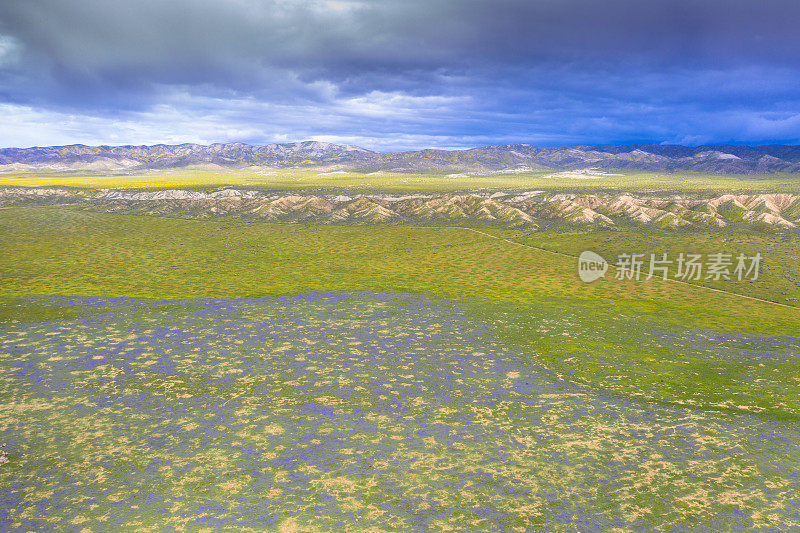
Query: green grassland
(778, 279)
(408, 378)
(355, 412)
(607, 334)
(292, 178)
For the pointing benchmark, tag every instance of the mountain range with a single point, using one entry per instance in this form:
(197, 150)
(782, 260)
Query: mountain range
(723, 159)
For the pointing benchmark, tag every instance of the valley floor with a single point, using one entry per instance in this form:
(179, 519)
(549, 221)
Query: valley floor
(213, 373)
(354, 412)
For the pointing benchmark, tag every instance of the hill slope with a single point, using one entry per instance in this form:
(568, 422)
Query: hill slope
(510, 209)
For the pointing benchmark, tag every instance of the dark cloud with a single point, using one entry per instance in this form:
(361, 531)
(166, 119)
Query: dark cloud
(571, 70)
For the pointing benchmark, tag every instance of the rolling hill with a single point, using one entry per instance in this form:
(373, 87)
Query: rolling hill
(509, 209)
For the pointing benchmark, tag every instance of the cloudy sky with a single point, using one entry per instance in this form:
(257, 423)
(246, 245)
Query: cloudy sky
(399, 74)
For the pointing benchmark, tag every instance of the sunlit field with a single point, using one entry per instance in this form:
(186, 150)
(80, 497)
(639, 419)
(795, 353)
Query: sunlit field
(293, 178)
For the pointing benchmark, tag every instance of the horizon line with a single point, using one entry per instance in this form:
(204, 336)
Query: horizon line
(762, 144)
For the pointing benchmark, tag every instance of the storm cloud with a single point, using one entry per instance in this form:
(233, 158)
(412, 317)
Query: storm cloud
(400, 74)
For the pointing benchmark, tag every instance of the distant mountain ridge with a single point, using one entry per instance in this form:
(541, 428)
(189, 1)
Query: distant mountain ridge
(723, 159)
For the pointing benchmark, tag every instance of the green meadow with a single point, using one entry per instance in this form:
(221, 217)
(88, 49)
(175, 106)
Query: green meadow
(66, 252)
(447, 380)
(778, 279)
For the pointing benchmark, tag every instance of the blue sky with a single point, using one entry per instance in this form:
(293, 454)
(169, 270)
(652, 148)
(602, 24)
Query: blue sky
(392, 75)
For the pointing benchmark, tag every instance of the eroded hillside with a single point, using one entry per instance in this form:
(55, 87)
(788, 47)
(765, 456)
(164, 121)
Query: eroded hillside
(513, 209)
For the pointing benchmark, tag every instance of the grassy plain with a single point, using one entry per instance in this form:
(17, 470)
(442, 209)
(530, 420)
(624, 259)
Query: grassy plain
(406, 378)
(778, 279)
(607, 335)
(283, 179)
(355, 412)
